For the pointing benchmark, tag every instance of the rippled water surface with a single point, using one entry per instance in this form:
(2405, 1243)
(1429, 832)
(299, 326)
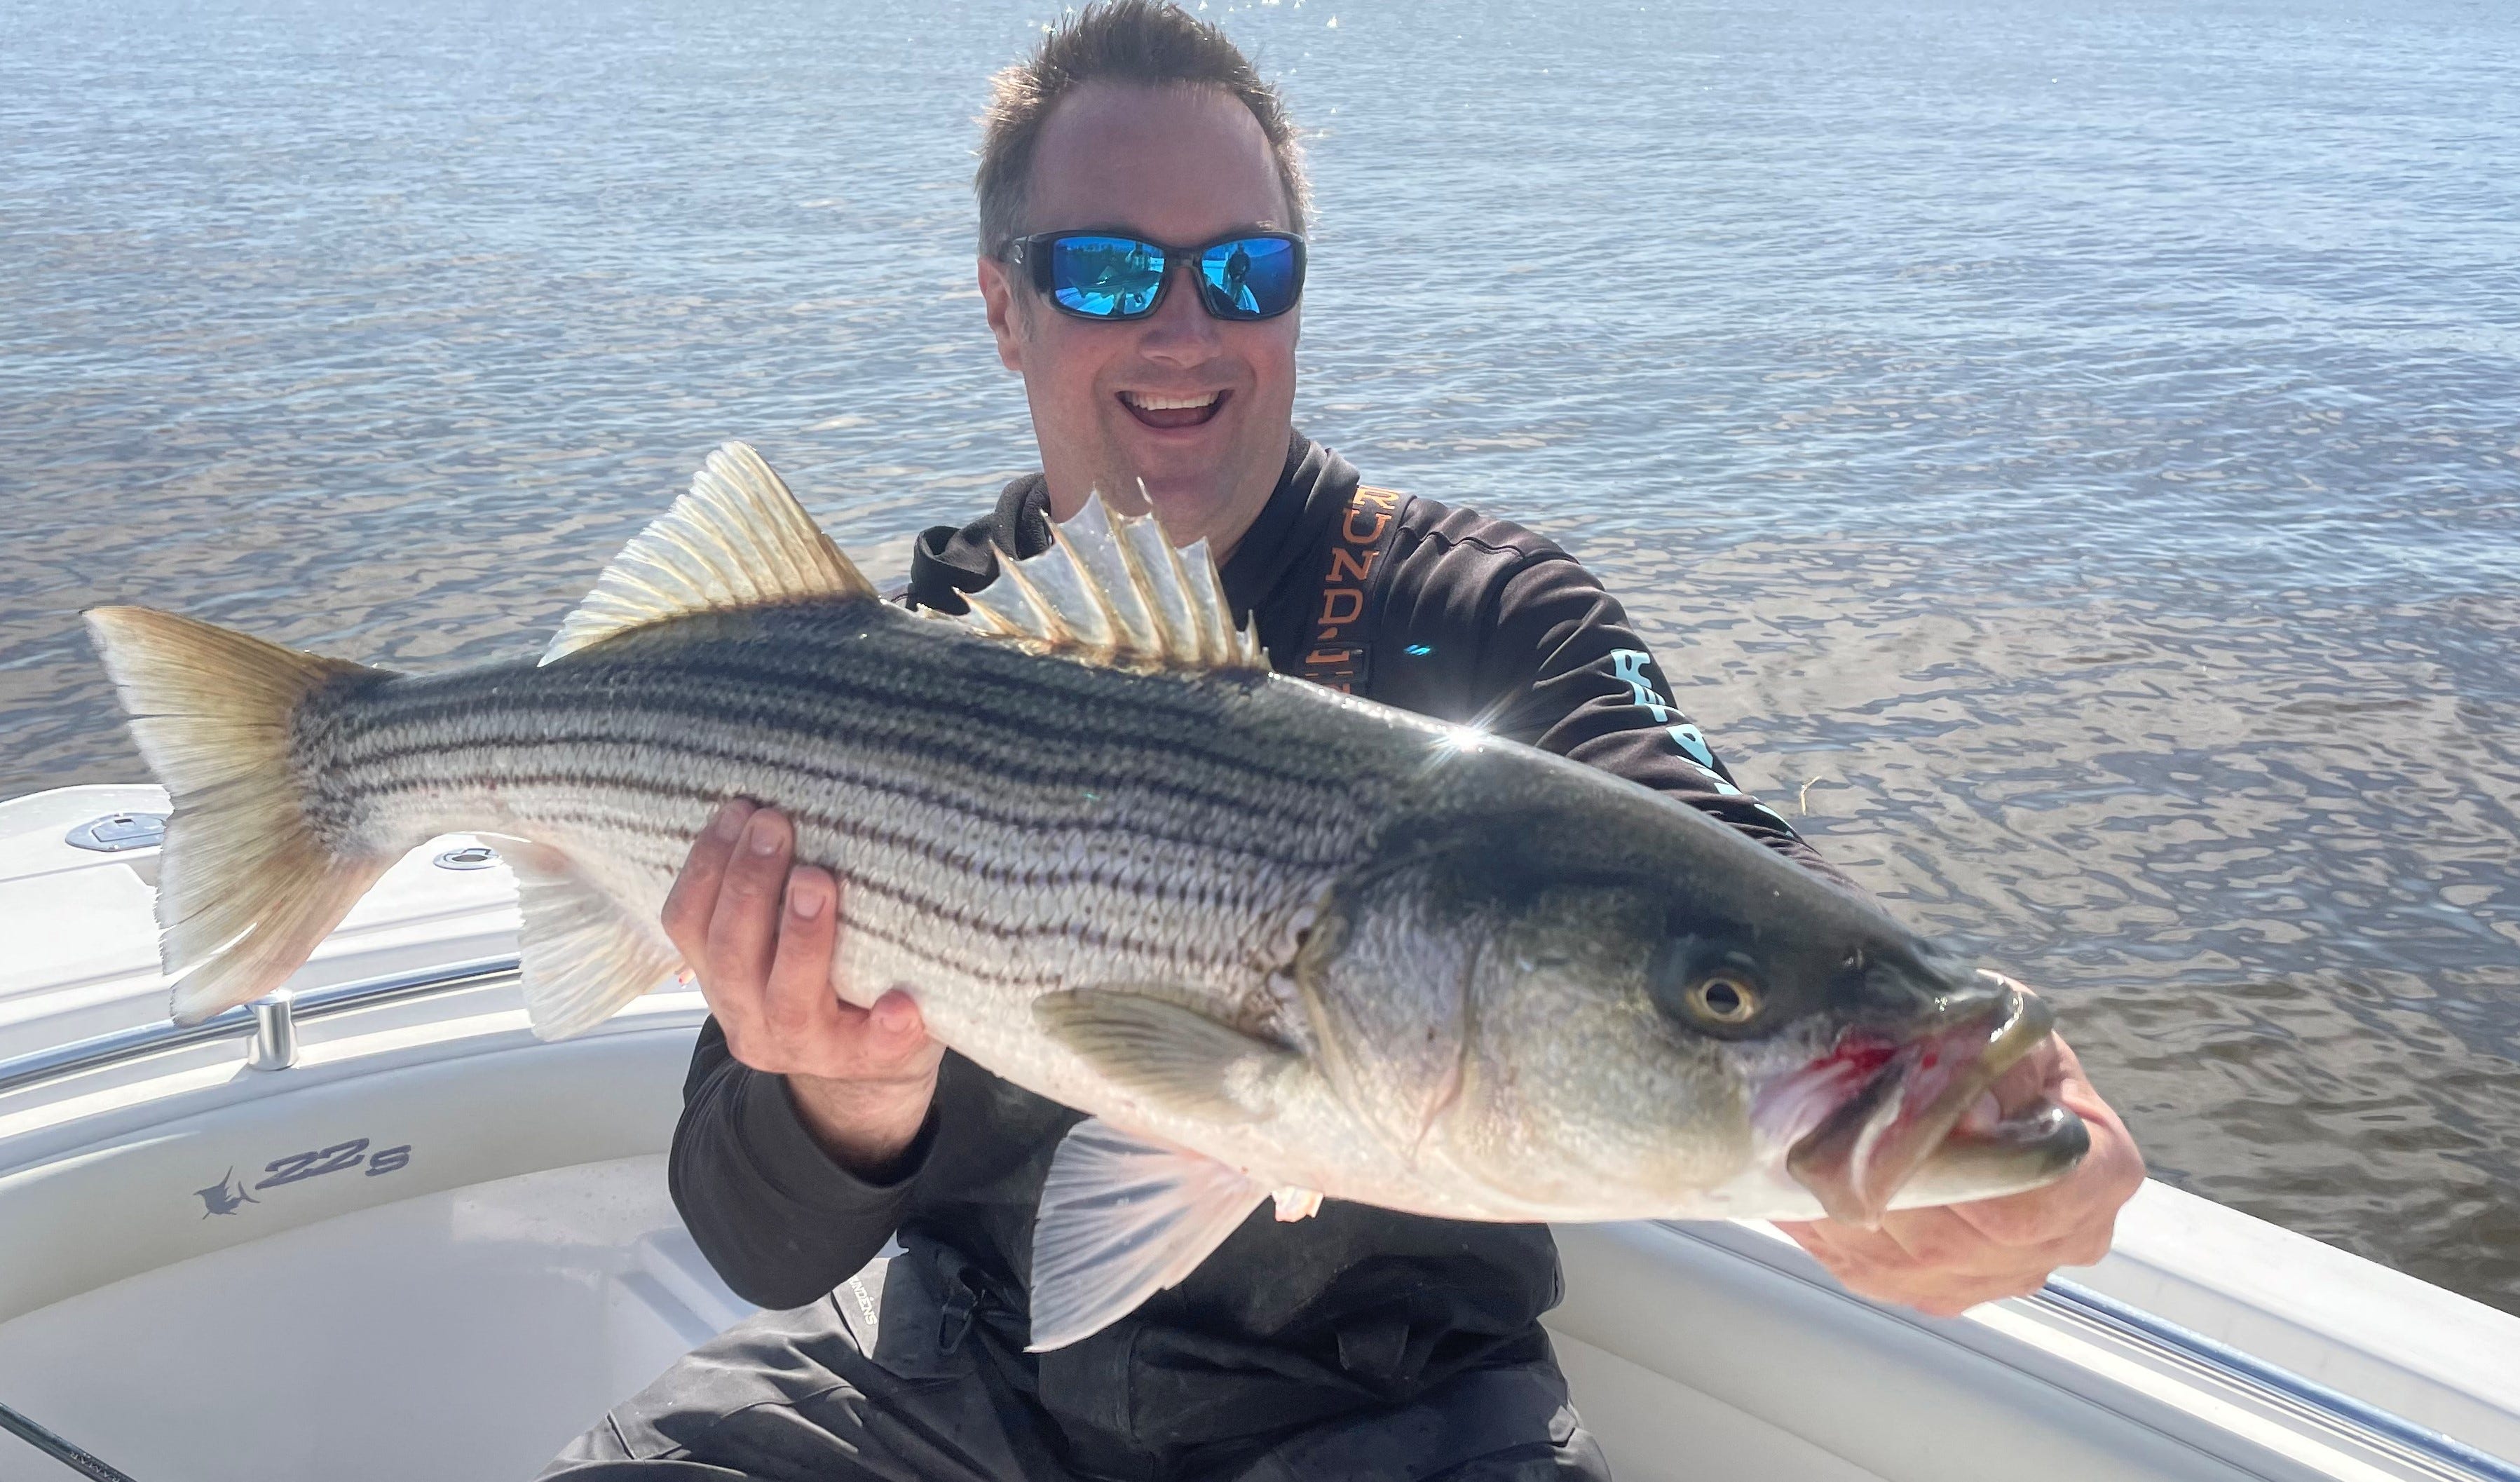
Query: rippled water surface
(2067, 453)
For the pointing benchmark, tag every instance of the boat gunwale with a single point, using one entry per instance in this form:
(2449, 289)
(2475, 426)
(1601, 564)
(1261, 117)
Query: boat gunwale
(121, 1045)
(2194, 1361)
(2378, 1428)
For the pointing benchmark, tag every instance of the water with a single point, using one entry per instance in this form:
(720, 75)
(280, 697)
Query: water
(2065, 453)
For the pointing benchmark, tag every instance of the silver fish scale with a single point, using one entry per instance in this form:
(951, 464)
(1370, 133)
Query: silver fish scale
(1002, 823)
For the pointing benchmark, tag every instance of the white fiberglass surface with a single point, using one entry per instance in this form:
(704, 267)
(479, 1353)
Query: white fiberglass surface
(468, 1331)
(92, 968)
(462, 1334)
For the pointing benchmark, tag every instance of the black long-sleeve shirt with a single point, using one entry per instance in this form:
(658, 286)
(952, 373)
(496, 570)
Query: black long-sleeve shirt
(1479, 621)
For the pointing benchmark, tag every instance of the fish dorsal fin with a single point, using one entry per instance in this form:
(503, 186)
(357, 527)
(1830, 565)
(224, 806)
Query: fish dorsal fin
(739, 539)
(1111, 590)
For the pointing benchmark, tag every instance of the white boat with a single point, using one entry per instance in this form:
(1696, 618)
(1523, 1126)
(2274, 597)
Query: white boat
(378, 1231)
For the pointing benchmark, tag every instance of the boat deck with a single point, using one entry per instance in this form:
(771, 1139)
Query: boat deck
(418, 1212)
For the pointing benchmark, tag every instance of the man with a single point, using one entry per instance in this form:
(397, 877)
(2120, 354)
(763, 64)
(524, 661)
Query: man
(1141, 206)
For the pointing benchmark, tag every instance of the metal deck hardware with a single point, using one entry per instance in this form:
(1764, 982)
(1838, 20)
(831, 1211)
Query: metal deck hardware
(118, 832)
(244, 1019)
(2382, 1429)
(273, 1046)
(76, 1457)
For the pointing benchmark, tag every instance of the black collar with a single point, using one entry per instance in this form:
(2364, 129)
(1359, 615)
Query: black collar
(947, 561)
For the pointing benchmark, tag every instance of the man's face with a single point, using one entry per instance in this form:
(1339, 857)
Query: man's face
(1182, 166)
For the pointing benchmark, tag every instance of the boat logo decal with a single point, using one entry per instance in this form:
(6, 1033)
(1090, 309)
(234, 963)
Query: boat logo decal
(230, 1194)
(226, 1196)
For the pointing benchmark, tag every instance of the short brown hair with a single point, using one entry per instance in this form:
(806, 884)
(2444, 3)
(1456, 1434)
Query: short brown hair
(1150, 43)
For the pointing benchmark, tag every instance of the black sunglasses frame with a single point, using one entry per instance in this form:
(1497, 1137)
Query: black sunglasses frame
(1033, 254)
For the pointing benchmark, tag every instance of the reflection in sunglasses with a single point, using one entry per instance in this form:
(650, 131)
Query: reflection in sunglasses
(1101, 276)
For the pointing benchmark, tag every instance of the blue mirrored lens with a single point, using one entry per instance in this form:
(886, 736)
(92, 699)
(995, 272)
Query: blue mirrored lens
(1253, 278)
(1106, 277)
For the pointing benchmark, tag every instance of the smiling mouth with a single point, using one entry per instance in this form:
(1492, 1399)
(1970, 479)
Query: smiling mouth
(1170, 412)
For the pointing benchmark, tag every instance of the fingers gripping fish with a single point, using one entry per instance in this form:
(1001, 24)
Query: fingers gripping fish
(1280, 944)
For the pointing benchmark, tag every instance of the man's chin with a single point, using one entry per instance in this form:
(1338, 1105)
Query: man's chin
(1195, 481)
(1188, 494)
(1188, 509)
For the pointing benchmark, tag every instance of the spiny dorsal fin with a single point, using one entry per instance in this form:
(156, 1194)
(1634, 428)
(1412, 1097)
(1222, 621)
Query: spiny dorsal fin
(1112, 590)
(739, 539)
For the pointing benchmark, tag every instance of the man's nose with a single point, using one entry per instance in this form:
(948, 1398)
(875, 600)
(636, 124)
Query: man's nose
(1181, 331)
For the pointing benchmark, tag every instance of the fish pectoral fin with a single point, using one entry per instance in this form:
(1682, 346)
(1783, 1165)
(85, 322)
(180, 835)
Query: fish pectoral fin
(1168, 1053)
(583, 955)
(739, 539)
(1121, 1218)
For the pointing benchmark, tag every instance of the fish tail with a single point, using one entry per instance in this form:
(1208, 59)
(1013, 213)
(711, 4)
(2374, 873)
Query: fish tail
(247, 884)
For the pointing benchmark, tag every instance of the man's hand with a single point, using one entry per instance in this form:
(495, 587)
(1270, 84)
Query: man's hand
(759, 938)
(1943, 1261)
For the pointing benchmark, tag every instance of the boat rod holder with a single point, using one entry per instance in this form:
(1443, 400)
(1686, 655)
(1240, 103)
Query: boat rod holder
(273, 1046)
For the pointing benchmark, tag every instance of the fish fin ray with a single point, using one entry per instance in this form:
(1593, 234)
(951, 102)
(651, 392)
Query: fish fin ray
(1168, 1053)
(737, 539)
(1112, 590)
(1121, 1218)
(1214, 619)
(583, 955)
(245, 887)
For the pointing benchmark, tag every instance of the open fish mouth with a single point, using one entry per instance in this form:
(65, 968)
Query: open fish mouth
(1908, 1109)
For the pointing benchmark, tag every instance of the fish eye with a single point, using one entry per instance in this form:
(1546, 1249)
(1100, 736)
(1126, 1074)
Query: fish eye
(1709, 984)
(1724, 999)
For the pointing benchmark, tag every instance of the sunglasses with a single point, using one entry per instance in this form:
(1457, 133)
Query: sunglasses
(1102, 274)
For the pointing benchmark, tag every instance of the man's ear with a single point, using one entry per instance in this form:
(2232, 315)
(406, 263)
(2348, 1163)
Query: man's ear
(1005, 315)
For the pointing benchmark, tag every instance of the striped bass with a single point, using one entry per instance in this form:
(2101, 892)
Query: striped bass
(1273, 940)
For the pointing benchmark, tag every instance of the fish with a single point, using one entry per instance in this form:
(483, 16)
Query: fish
(1279, 944)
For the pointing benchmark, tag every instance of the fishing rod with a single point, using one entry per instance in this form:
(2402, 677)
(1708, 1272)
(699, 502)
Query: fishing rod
(77, 1458)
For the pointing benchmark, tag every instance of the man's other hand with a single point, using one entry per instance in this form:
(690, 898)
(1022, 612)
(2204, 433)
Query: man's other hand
(1943, 1261)
(758, 932)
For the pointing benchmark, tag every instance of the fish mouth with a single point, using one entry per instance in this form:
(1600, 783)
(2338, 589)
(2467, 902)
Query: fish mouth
(1907, 1110)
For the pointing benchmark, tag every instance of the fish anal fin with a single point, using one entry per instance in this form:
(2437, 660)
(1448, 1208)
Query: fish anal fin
(1121, 1218)
(1111, 590)
(1169, 1054)
(739, 539)
(584, 957)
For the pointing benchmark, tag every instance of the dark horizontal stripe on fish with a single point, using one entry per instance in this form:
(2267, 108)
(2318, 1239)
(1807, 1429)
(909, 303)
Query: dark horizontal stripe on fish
(945, 859)
(823, 698)
(908, 657)
(1084, 933)
(988, 746)
(1252, 849)
(1124, 763)
(644, 762)
(934, 947)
